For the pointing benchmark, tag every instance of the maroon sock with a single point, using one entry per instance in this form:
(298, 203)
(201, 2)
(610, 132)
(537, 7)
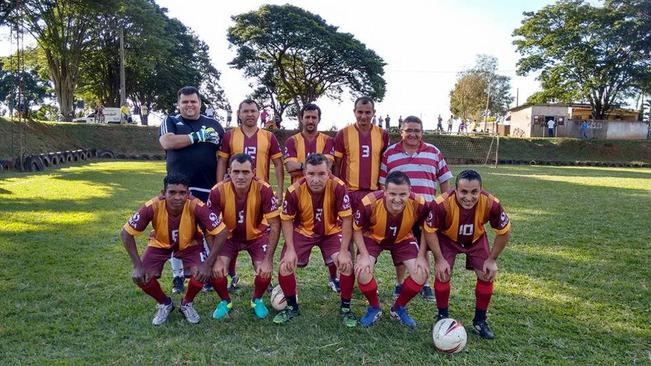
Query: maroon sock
(261, 284)
(194, 287)
(152, 288)
(483, 294)
(232, 264)
(408, 290)
(332, 269)
(347, 283)
(288, 284)
(442, 294)
(221, 287)
(370, 291)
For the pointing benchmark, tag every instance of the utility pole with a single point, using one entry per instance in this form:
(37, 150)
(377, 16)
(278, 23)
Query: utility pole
(123, 88)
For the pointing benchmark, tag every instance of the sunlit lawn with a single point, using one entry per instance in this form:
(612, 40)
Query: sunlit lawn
(573, 286)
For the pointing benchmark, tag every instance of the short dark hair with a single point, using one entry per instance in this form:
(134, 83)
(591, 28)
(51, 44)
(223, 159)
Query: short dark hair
(364, 100)
(311, 107)
(398, 178)
(316, 159)
(412, 119)
(469, 175)
(248, 101)
(188, 90)
(241, 158)
(175, 179)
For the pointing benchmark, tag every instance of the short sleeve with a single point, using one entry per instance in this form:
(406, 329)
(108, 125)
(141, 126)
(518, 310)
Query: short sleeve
(362, 219)
(290, 206)
(169, 126)
(214, 201)
(342, 201)
(209, 219)
(290, 149)
(443, 173)
(274, 147)
(139, 221)
(225, 149)
(385, 140)
(339, 145)
(499, 220)
(269, 202)
(431, 224)
(383, 169)
(329, 148)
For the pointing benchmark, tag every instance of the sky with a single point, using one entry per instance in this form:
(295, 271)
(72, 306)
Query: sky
(425, 43)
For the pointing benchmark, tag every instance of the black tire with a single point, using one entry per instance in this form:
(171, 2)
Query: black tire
(46, 160)
(6, 164)
(69, 158)
(81, 154)
(88, 154)
(105, 154)
(33, 163)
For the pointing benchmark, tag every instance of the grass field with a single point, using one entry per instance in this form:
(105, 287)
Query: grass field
(573, 286)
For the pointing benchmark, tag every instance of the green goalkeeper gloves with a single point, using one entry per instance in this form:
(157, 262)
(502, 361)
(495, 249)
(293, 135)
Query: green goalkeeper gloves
(204, 135)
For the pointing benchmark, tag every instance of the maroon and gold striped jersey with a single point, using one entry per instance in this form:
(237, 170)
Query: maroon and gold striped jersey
(466, 226)
(316, 214)
(174, 232)
(361, 156)
(375, 222)
(262, 147)
(245, 217)
(298, 148)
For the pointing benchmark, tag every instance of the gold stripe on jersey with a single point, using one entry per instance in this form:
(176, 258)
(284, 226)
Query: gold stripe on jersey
(481, 217)
(353, 163)
(376, 142)
(160, 222)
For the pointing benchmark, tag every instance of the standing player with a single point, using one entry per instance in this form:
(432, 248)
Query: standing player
(459, 217)
(297, 148)
(261, 145)
(358, 152)
(191, 142)
(425, 166)
(250, 212)
(384, 221)
(316, 212)
(174, 216)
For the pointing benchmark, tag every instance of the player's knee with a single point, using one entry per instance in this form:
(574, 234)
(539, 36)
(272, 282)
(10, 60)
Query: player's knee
(283, 270)
(420, 277)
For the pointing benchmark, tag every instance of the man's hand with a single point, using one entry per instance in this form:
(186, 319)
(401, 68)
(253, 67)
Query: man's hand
(264, 269)
(204, 273)
(202, 135)
(363, 264)
(218, 269)
(344, 261)
(422, 264)
(139, 276)
(289, 260)
(490, 270)
(442, 268)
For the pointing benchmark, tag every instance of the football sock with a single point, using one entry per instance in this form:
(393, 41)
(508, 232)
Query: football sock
(221, 287)
(347, 282)
(442, 294)
(332, 269)
(194, 287)
(261, 284)
(288, 284)
(177, 267)
(152, 288)
(232, 265)
(408, 290)
(483, 294)
(370, 292)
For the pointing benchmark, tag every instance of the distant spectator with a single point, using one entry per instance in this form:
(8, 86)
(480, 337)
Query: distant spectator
(450, 123)
(439, 124)
(144, 114)
(380, 122)
(386, 122)
(263, 118)
(584, 130)
(125, 114)
(229, 117)
(550, 127)
(374, 120)
(400, 122)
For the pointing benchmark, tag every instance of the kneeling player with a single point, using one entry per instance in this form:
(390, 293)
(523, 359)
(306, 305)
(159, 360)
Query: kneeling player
(316, 212)
(384, 222)
(459, 218)
(174, 216)
(250, 212)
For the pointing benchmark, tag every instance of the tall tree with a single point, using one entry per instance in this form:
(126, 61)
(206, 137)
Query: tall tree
(309, 57)
(585, 52)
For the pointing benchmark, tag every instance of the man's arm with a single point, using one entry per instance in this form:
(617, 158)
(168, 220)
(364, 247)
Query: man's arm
(280, 177)
(444, 187)
(336, 168)
(294, 168)
(139, 276)
(222, 162)
(490, 264)
(170, 141)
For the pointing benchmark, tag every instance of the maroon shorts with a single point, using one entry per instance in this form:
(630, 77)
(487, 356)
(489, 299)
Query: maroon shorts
(257, 248)
(356, 198)
(476, 254)
(303, 245)
(153, 259)
(400, 251)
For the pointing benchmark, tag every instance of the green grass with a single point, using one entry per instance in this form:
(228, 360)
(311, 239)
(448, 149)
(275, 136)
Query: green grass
(573, 286)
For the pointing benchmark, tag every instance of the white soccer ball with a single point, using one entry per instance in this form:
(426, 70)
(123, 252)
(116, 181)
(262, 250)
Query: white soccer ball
(449, 335)
(278, 301)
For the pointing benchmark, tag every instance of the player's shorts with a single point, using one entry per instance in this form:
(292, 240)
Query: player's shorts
(356, 198)
(257, 248)
(329, 245)
(476, 254)
(153, 259)
(400, 251)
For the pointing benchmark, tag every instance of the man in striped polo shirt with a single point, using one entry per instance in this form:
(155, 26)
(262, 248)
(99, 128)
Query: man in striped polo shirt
(426, 168)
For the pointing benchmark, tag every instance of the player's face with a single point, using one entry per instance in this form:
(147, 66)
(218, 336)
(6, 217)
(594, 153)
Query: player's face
(241, 174)
(310, 121)
(412, 134)
(468, 192)
(249, 114)
(317, 176)
(364, 114)
(189, 106)
(395, 197)
(176, 195)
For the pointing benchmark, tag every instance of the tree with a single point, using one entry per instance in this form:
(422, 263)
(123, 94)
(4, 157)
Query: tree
(586, 53)
(34, 88)
(296, 54)
(481, 91)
